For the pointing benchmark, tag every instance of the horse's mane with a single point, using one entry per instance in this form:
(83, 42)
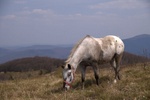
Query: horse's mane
(74, 48)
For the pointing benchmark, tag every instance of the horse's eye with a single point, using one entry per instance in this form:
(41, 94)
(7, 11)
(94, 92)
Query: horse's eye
(69, 74)
(71, 79)
(65, 79)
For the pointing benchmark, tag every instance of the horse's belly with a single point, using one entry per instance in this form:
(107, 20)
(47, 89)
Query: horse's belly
(107, 56)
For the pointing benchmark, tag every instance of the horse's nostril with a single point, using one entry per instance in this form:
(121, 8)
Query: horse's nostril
(64, 84)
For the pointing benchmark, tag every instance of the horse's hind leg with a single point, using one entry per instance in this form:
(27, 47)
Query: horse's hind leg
(115, 63)
(118, 60)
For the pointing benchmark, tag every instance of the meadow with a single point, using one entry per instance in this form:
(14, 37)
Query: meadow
(134, 85)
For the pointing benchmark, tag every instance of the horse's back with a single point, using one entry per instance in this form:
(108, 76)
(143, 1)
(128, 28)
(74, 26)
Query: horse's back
(110, 45)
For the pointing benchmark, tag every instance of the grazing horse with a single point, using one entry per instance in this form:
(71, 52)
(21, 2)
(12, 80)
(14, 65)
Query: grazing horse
(91, 51)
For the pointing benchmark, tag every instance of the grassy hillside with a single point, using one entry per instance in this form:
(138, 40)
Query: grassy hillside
(135, 85)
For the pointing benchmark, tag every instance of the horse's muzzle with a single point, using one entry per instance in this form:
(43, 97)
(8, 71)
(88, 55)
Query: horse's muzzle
(66, 85)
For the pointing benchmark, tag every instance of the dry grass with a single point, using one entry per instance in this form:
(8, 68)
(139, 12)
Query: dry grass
(135, 85)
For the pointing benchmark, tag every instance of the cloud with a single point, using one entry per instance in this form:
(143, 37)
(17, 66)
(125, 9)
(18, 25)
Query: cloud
(121, 4)
(43, 12)
(40, 11)
(40, 14)
(8, 17)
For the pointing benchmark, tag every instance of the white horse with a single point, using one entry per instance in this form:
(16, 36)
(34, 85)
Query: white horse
(92, 51)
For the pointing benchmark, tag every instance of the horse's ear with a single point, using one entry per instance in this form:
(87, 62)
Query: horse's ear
(69, 66)
(63, 66)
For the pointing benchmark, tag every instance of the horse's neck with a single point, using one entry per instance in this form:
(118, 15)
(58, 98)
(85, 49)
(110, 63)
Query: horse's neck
(77, 57)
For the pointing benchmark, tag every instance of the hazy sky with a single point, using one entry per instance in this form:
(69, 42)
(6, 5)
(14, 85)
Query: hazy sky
(31, 22)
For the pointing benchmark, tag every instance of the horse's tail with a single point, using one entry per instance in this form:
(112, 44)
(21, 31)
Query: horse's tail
(119, 45)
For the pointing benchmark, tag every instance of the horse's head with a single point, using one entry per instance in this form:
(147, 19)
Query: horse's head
(68, 76)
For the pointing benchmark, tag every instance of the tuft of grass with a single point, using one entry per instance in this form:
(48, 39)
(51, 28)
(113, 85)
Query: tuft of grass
(134, 85)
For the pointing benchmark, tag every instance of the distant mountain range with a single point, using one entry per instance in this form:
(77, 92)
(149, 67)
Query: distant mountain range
(139, 45)
(37, 50)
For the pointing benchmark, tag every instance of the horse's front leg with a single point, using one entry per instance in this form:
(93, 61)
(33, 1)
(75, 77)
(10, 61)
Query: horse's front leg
(83, 75)
(96, 74)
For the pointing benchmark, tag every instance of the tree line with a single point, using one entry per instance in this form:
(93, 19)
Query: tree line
(31, 64)
(129, 58)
